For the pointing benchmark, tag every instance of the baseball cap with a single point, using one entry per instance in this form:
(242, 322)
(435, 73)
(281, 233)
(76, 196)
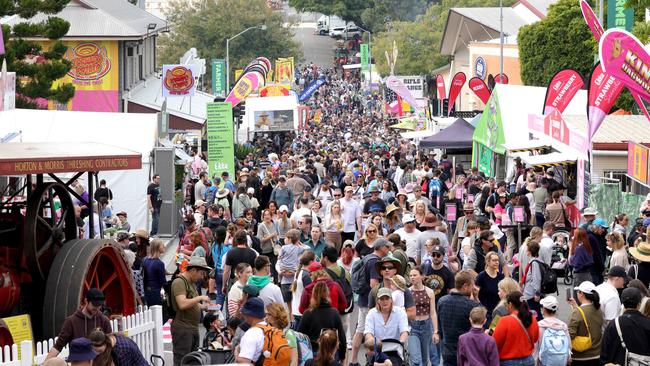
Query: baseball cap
(314, 266)
(95, 296)
(408, 218)
(251, 290)
(600, 222)
(586, 287)
(283, 208)
(439, 249)
(383, 292)
(253, 307)
(381, 242)
(631, 297)
(617, 271)
(550, 303)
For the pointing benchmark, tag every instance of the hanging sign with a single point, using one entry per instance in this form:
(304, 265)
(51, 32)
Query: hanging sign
(178, 80)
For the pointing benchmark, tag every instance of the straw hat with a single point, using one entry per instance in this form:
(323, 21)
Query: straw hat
(399, 282)
(641, 252)
(142, 233)
(392, 207)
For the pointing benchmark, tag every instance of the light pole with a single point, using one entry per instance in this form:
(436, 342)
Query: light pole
(260, 27)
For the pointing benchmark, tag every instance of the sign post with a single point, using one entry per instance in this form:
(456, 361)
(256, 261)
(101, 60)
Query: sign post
(221, 151)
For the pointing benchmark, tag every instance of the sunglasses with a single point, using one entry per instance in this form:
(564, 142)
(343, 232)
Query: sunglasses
(387, 268)
(437, 255)
(371, 231)
(337, 195)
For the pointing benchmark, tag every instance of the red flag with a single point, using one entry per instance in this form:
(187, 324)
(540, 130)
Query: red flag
(456, 85)
(604, 89)
(480, 89)
(440, 82)
(501, 79)
(562, 88)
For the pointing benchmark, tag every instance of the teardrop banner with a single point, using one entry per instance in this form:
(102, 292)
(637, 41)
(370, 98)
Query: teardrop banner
(491, 83)
(456, 85)
(440, 83)
(625, 58)
(477, 85)
(501, 79)
(604, 89)
(561, 90)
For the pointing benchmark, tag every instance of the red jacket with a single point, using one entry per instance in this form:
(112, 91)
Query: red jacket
(337, 297)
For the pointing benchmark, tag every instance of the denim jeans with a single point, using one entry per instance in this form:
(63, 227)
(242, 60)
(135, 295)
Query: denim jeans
(419, 341)
(434, 353)
(218, 279)
(155, 215)
(526, 361)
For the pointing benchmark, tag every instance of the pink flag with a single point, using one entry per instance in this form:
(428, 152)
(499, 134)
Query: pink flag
(440, 83)
(625, 58)
(480, 89)
(246, 85)
(501, 79)
(592, 20)
(397, 86)
(456, 85)
(604, 89)
(563, 87)
(2, 42)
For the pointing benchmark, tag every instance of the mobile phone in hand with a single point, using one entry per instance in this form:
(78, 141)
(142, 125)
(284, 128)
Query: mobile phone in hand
(569, 294)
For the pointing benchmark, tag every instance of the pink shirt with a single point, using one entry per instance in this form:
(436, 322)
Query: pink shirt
(498, 210)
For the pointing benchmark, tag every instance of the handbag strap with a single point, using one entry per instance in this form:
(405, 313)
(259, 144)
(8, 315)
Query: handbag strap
(525, 330)
(584, 318)
(620, 335)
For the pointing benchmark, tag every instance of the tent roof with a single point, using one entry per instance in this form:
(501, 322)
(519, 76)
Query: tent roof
(552, 159)
(457, 135)
(615, 128)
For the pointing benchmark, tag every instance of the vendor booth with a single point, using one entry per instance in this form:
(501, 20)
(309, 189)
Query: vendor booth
(132, 131)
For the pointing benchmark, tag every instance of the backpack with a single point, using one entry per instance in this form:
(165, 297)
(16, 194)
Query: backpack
(168, 301)
(210, 195)
(554, 348)
(549, 278)
(631, 358)
(345, 285)
(435, 188)
(275, 346)
(303, 343)
(360, 281)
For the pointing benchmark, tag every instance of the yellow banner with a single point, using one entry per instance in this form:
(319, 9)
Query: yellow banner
(20, 328)
(238, 73)
(284, 70)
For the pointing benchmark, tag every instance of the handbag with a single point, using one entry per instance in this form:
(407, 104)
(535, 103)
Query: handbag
(525, 330)
(582, 343)
(567, 222)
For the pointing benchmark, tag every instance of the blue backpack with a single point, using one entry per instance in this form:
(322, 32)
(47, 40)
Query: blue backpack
(305, 351)
(555, 348)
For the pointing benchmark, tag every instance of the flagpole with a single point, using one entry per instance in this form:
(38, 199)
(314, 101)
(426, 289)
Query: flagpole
(501, 33)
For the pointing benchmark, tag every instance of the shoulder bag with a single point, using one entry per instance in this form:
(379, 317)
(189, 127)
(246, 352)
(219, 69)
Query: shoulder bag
(582, 343)
(525, 330)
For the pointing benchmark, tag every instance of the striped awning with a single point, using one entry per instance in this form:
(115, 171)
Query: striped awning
(525, 146)
(550, 160)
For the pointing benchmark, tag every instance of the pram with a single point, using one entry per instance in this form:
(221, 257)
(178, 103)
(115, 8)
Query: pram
(395, 350)
(560, 258)
(208, 357)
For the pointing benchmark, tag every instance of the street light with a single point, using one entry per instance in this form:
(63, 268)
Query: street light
(260, 27)
(369, 56)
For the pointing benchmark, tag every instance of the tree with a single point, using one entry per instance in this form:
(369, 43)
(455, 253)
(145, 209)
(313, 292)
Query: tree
(206, 25)
(418, 42)
(561, 40)
(36, 69)
(377, 17)
(349, 10)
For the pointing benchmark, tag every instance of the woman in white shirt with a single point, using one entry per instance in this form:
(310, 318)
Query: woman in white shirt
(298, 286)
(619, 254)
(385, 321)
(334, 225)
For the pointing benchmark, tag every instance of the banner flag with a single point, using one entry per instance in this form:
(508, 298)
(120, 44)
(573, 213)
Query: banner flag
(247, 84)
(480, 89)
(396, 85)
(219, 131)
(310, 89)
(501, 79)
(365, 60)
(284, 70)
(440, 83)
(219, 77)
(562, 88)
(456, 85)
(178, 80)
(604, 89)
(625, 58)
(592, 20)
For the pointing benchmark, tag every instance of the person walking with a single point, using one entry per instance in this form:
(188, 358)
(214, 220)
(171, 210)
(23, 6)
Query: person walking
(554, 345)
(154, 273)
(154, 202)
(188, 305)
(581, 257)
(321, 315)
(586, 326)
(517, 333)
(475, 347)
(424, 336)
(488, 284)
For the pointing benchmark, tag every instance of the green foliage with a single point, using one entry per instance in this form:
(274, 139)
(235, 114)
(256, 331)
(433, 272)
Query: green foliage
(378, 16)
(561, 40)
(207, 25)
(241, 151)
(349, 10)
(35, 79)
(418, 42)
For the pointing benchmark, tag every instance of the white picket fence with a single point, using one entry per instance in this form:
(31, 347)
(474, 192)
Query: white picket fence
(145, 328)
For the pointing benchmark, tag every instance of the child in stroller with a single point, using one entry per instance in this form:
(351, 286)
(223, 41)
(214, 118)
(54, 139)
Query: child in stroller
(376, 357)
(560, 258)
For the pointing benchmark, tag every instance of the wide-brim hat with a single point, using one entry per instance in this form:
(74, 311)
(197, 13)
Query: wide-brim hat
(142, 233)
(401, 193)
(641, 252)
(81, 349)
(468, 207)
(390, 208)
(393, 261)
(399, 282)
(589, 211)
(429, 220)
(198, 262)
(222, 193)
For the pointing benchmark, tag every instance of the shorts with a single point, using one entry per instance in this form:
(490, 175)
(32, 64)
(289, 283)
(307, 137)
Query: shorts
(287, 295)
(361, 321)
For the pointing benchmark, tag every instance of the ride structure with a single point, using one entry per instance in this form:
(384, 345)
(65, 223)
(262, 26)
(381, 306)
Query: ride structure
(45, 267)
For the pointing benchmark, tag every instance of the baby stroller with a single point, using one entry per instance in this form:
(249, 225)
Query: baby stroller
(560, 257)
(395, 350)
(208, 357)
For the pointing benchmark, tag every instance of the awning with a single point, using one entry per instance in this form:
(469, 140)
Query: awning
(417, 134)
(457, 136)
(351, 66)
(528, 145)
(549, 160)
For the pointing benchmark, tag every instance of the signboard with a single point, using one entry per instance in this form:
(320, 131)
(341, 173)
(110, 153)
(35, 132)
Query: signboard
(480, 68)
(219, 78)
(415, 84)
(284, 70)
(7, 91)
(637, 161)
(618, 16)
(450, 209)
(94, 74)
(72, 164)
(178, 80)
(485, 159)
(459, 192)
(20, 328)
(277, 120)
(518, 214)
(221, 150)
(554, 126)
(365, 59)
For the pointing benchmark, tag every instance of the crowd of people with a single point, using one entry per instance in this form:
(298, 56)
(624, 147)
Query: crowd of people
(340, 239)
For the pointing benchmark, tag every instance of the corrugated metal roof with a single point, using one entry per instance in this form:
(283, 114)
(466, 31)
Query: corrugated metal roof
(489, 17)
(615, 129)
(116, 19)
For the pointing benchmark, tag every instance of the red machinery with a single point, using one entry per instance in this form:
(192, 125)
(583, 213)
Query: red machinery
(45, 269)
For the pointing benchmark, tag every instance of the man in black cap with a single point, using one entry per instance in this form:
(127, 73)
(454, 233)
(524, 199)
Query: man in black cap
(627, 338)
(82, 322)
(610, 303)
